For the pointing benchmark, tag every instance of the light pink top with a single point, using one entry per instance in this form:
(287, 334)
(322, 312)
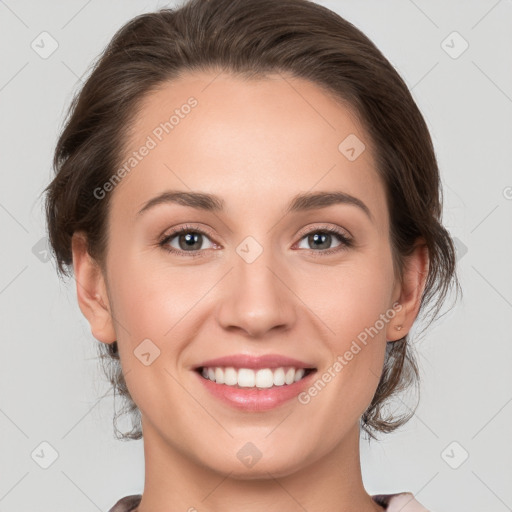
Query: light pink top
(398, 502)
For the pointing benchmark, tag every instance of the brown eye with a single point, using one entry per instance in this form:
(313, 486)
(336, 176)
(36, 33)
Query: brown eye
(321, 240)
(190, 240)
(186, 240)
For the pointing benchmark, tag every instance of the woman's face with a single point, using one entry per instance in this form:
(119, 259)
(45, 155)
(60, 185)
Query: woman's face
(254, 274)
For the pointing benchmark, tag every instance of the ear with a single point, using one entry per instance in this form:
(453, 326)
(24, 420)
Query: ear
(408, 293)
(92, 291)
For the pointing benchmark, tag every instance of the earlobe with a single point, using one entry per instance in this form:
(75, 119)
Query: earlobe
(92, 291)
(410, 291)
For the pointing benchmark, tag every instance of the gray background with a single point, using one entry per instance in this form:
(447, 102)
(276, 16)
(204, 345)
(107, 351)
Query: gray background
(51, 387)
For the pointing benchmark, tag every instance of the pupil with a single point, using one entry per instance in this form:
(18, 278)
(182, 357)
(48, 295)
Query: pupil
(315, 238)
(190, 240)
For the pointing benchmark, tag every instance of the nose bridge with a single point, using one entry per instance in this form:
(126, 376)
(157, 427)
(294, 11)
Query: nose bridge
(257, 299)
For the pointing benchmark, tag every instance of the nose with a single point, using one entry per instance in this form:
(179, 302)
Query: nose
(257, 297)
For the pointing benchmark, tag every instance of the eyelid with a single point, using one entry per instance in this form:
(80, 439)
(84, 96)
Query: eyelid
(303, 232)
(346, 242)
(346, 239)
(200, 228)
(327, 227)
(164, 240)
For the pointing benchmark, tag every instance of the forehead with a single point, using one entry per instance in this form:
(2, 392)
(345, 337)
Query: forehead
(245, 138)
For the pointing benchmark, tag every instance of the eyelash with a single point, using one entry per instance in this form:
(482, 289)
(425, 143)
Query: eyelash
(346, 242)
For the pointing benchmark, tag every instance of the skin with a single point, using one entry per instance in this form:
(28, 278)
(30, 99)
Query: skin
(256, 144)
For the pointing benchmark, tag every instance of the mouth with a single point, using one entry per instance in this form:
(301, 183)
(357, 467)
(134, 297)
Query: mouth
(250, 378)
(254, 383)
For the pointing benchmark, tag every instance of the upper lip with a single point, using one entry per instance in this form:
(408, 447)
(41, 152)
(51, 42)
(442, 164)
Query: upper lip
(249, 361)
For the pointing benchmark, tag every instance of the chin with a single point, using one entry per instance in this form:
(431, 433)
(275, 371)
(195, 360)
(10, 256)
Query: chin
(250, 464)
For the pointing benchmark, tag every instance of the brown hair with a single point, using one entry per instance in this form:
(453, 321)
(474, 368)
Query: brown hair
(252, 38)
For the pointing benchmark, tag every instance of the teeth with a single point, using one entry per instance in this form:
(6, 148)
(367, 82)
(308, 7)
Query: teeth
(299, 374)
(230, 377)
(219, 375)
(264, 378)
(249, 378)
(246, 378)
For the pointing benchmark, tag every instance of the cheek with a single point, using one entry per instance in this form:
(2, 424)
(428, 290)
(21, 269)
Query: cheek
(354, 297)
(359, 315)
(154, 314)
(150, 301)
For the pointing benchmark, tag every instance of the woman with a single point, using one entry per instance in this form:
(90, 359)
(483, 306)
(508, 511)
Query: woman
(249, 200)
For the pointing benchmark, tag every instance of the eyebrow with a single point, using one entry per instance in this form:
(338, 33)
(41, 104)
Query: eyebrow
(213, 203)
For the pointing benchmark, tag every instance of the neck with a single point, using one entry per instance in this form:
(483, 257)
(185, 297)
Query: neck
(174, 481)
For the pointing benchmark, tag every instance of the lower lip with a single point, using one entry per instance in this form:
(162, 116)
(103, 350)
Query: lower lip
(255, 399)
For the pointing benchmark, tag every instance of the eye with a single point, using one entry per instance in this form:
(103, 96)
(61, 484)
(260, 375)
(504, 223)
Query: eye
(321, 240)
(186, 240)
(189, 240)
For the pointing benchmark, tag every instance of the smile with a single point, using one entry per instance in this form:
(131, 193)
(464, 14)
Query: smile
(254, 390)
(262, 378)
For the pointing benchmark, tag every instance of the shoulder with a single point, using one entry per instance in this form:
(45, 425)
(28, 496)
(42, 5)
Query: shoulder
(402, 501)
(127, 504)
